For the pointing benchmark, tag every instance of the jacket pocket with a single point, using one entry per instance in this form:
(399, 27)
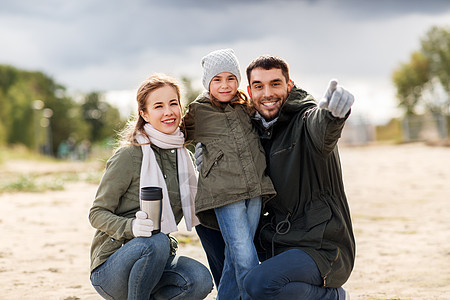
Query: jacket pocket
(337, 229)
(108, 247)
(213, 160)
(308, 230)
(316, 212)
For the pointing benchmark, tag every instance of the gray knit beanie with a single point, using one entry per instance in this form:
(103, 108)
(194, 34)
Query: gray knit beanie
(219, 61)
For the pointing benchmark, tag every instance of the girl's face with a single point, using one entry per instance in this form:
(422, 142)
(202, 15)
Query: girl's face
(223, 86)
(163, 110)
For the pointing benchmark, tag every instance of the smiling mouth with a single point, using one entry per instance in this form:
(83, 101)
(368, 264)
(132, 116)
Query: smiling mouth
(270, 103)
(169, 122)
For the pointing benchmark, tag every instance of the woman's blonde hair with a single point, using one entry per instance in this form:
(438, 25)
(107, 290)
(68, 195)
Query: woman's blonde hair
(136, 124)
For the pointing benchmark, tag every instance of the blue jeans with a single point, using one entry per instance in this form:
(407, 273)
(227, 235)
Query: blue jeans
(292, 274)
(144, 269)
(238, 222)
(214, 246)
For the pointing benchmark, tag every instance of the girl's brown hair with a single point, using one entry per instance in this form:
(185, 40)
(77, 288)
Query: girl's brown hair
(240, 99)
(136, 124)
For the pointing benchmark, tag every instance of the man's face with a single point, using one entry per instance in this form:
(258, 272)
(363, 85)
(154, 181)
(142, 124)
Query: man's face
(268, 90)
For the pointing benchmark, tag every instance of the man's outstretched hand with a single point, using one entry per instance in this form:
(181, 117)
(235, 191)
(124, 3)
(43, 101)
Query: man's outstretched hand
(337, 100)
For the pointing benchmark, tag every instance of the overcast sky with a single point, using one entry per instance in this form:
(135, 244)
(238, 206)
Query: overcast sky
(112, 46)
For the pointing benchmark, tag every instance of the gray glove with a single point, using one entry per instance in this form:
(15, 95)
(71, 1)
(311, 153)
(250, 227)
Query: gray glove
(198, 155)
(337, 100)
(142, 226)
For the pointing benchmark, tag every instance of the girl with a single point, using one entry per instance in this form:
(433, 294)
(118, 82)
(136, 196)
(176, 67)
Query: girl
(232, 182)
(127, 261)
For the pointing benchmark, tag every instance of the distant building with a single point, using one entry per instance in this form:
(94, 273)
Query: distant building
(357, 131)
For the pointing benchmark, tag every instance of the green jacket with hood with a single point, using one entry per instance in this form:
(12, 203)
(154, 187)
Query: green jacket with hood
(117, 198)
(310, 207)
(234, 166)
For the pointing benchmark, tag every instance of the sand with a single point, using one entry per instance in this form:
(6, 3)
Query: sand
(399, 198)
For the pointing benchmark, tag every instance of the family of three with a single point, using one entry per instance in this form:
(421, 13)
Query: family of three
(266, 197)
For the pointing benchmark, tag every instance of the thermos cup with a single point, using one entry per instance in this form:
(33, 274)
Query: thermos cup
(151, 204)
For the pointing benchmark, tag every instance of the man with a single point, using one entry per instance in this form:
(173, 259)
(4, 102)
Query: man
(305, 236)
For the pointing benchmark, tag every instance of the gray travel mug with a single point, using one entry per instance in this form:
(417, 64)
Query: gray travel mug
(151, 204)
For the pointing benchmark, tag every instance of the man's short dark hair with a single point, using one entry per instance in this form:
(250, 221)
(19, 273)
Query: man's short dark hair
(268, 62)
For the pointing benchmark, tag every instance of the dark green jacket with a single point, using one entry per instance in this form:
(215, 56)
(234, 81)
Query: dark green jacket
(304, 165)
(234, 165)
(117, 199)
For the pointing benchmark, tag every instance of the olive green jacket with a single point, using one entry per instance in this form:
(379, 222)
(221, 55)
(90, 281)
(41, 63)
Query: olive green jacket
(310, 211)
(234, 165)
(117, 199)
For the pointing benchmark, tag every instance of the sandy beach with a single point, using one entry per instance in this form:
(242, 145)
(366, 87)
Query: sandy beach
(399, 198)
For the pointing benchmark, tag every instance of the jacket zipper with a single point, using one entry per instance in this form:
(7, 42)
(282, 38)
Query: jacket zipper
(214, 164)
(331, 267)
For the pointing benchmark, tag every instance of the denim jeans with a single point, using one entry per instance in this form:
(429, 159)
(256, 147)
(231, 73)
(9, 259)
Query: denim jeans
(144, 269)
(238, 222)
(292, 274)
(214, 246)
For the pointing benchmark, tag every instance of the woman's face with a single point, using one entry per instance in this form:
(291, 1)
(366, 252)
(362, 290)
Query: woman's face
(163, 110)
(223, 86)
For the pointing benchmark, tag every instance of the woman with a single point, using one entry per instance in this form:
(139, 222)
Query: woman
(127, 261)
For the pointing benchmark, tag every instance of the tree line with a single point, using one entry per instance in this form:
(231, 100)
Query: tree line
(423, 83)
(37, 112)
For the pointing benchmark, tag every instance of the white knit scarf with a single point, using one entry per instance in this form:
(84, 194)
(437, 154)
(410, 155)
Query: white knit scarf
(151, 175)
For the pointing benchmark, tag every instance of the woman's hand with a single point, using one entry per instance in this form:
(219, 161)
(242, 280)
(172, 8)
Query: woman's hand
(142, 226)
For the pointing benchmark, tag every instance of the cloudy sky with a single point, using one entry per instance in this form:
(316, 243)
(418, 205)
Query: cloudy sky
(112, 46)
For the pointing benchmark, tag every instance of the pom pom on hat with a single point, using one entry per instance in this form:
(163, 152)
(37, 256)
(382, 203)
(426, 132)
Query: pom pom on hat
(223, 60)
